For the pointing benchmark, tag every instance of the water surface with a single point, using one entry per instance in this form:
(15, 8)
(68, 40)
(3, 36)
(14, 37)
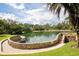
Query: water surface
(39, 37)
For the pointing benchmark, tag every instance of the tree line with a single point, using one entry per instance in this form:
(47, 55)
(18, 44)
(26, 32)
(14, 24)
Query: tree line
(13, 27)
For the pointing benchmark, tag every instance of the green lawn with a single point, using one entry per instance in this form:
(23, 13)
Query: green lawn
(4, 36)
(65, 50)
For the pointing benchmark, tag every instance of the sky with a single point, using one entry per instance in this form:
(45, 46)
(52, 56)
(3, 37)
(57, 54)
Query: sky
(31, 13)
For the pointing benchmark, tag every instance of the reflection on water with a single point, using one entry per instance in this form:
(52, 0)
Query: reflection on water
(40, 37)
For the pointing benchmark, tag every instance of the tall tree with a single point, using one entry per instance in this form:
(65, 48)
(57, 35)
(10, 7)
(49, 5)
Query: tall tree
(73, 11)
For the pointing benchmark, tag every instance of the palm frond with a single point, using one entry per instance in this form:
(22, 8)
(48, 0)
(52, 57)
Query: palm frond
(71, 8)
(67, 18)
(52, 6)
(56, 8)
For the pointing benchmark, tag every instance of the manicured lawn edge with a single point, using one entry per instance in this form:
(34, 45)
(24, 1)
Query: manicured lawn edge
(65, 50)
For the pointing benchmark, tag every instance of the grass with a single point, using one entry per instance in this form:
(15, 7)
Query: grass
(65, 50)
(4, 36)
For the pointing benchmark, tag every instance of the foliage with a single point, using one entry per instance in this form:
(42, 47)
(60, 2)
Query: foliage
(11, 27)
(73, 13)
(71, 8)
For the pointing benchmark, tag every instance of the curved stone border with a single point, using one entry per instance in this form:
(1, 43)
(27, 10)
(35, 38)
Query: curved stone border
(57, 40)
(2, 44)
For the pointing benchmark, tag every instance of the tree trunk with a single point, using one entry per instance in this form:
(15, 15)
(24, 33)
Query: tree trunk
(78, 40)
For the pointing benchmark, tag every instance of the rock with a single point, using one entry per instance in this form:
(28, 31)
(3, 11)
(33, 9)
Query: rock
(23, 40)
(16, 38)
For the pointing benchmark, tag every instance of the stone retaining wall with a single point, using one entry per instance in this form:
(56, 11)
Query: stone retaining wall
(71, 38)
(35, 45)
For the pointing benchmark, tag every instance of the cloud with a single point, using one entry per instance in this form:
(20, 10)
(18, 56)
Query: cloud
(34, 16)
(38, 15)
(62, 15)
(17, 6)
(34, 10)
(8, 16)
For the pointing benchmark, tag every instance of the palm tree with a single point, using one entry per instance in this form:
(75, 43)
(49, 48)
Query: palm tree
(73, 12)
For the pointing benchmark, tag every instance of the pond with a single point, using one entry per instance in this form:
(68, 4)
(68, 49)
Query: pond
(38, 37)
